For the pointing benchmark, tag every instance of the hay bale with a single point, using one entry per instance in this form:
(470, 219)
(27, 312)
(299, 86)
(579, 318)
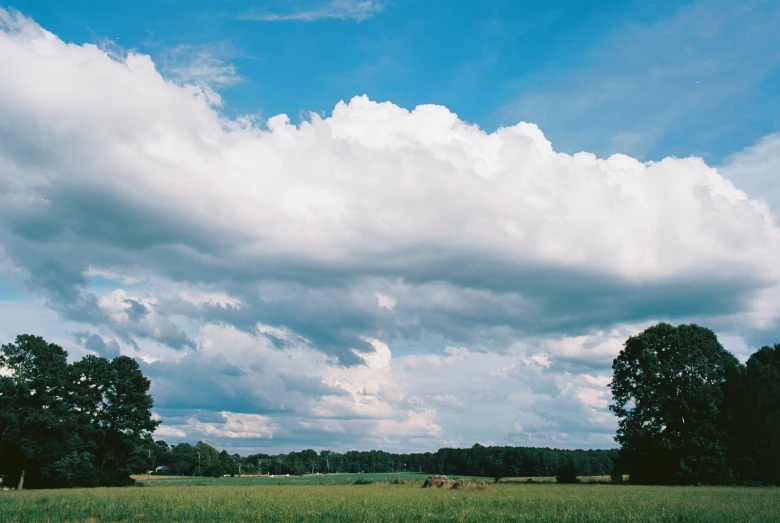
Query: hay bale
(438, 482)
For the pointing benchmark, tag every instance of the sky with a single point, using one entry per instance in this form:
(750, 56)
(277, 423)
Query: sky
(398, 225)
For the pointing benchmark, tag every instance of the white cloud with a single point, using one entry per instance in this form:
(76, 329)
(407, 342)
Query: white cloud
(385, 302)
(756, 169)
(204, 65)
(416, 424)
(199, 297)
(364, 185)
(446, 400)
(379, 358)
(358, 10)
(235, 425)
(166, 431)
(272, 255)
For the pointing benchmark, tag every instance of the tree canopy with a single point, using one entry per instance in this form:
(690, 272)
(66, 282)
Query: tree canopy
(752, 419)
(668, 390)
(71, 424)
(689, 412)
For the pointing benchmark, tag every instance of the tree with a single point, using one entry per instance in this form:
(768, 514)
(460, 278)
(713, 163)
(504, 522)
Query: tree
(34, 414)
(668, 390)
(69, 424)
(753, 418)
(207, 460)
(183, 459)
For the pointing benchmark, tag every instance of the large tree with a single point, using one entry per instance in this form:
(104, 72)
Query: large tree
(33, 406)
(69, 424)
(668, 390)
(753, 418)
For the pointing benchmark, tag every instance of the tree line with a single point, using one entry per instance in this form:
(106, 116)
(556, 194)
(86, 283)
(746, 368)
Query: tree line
(690, 413)
(203, 459)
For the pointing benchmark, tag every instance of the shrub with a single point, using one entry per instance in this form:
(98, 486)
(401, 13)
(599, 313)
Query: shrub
(363, 481)
(566, 474)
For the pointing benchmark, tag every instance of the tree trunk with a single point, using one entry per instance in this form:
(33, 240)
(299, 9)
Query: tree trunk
(20, 486)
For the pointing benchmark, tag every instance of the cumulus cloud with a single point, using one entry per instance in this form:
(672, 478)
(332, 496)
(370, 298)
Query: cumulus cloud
(372, 275)
(757, 169)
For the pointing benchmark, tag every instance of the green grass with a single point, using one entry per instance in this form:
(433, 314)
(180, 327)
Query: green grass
(388, 502)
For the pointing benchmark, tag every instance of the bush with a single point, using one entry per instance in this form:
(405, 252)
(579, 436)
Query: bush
(362, 481)
(566, 474)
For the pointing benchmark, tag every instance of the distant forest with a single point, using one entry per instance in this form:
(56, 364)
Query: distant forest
(204, 460)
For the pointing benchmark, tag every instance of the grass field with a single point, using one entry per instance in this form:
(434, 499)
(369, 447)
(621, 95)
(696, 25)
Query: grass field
(314, 479)
(229, 500)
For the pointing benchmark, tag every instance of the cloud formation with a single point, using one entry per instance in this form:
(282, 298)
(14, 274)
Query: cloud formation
(376, 277)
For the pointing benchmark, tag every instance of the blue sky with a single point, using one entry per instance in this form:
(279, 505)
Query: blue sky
(685, 72)
(466, 210)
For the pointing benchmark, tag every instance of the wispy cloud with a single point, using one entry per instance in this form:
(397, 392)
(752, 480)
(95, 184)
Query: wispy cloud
(204, 65)
(684, 78)
(357, 10)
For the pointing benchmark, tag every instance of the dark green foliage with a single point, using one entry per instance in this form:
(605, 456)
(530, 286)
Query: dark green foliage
(182, 459)
(69, 424)
(75, 470)
(690, 413)
(361, 481)
(566, 474)
(668, 390)
(752, 418)
(495, 462)
(207, 460)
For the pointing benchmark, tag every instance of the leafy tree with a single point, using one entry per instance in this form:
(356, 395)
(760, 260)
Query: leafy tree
(207, 461)
(183, 459)
(668, 390)
(126, 419)
(34, 414)
(161, 454)
(226, 462)
(69, 424)
(753, 418)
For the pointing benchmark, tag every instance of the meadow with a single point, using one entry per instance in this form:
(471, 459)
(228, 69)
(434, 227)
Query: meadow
(235, 499)
(309, 479)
